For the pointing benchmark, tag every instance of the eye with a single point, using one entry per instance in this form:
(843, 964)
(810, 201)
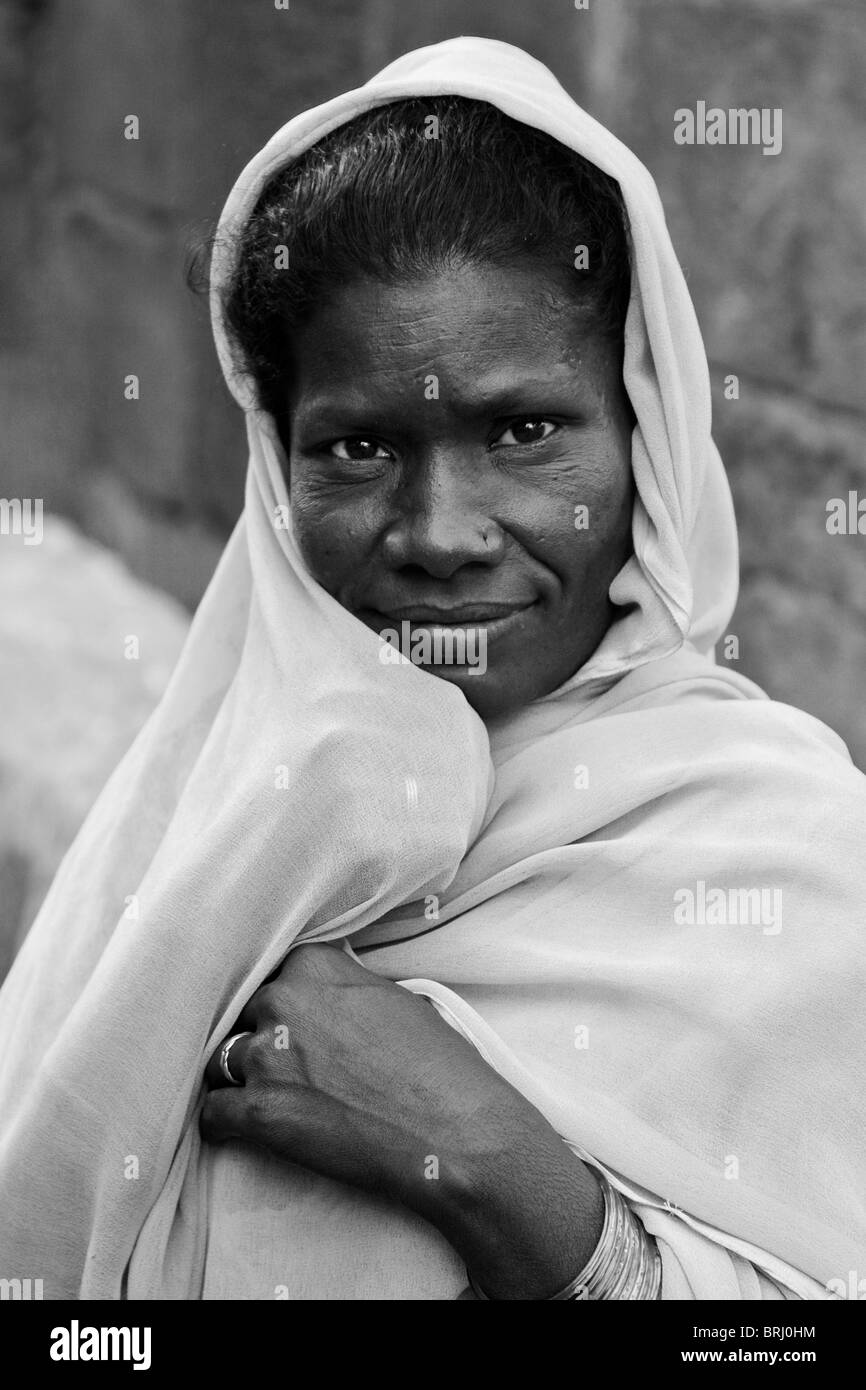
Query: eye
(358, 448)
(526, 430)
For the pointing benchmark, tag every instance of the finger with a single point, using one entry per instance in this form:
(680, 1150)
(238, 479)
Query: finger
(249, 1014)
(247, 1019)
(224, 1115)
(236, 1062)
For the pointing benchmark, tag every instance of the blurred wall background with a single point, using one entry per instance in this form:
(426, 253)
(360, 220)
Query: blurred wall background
(95, 225)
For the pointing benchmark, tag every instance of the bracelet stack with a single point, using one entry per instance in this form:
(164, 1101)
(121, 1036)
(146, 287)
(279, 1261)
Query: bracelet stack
(624, 1265)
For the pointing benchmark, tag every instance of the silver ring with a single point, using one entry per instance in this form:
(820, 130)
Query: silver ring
(224, 1056)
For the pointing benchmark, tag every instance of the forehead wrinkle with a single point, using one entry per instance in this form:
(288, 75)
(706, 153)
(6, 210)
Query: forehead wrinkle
(494, 390)
(443, 331)
(373, 346)
(449, 361)
(351, 344)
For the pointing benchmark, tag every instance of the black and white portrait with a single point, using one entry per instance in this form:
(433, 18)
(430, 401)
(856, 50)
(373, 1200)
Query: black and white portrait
(432, 538)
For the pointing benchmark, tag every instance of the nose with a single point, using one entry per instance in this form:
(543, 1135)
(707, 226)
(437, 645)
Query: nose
(442, 521)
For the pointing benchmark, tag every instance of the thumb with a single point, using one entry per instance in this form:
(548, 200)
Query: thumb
(223, 1114)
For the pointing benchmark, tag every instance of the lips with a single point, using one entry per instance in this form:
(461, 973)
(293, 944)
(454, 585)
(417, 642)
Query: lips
(495, 620)
(458, 616)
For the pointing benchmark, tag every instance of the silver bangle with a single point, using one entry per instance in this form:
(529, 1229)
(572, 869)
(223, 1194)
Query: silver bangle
(625, 1264)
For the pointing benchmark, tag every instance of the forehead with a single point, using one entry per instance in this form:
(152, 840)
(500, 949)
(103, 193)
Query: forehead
(470, 319)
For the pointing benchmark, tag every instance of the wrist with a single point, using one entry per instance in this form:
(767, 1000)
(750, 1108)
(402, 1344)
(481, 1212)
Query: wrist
(522, 1211)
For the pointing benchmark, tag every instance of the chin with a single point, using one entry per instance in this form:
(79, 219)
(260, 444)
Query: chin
(488, 694)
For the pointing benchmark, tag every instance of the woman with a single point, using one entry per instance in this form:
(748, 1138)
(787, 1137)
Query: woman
(597, 889)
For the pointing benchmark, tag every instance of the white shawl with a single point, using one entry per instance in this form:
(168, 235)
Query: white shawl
(715, 1069)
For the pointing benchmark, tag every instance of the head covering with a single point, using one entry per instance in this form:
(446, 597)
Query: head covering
(292, 787)
(683, 579)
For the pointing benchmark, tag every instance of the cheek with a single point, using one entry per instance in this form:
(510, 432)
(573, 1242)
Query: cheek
(318, 537)
(588, 518)
(334, 533)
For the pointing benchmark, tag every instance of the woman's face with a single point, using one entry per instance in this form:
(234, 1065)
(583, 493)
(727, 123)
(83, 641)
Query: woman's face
(445, 434)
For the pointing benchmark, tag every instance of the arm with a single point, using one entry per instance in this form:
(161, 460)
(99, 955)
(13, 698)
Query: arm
(521, 1209)
(354, 1077)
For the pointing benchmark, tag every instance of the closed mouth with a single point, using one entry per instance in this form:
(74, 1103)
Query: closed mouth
(474, 614)
(492, 621)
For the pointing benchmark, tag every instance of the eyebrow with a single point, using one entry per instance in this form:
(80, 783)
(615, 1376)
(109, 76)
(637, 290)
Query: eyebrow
(513, 396)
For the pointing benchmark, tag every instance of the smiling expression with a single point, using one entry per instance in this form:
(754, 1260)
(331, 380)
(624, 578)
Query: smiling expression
(442, 432)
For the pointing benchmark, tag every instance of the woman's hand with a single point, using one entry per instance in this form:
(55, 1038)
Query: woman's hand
(354, 1077)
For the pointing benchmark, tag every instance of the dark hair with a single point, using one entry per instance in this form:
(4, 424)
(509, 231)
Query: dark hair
(379, 197)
